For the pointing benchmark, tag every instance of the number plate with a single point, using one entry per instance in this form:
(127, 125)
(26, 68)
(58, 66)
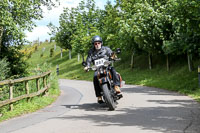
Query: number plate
(99, 62)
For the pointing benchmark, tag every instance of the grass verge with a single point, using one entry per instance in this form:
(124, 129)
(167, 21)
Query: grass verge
(23, 107)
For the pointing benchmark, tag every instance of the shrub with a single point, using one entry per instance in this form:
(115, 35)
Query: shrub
(41, 55)
(4, 69)
(36, 47)
(51, 52)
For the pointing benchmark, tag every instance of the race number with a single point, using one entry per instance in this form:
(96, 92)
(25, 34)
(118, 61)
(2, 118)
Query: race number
(99, 62)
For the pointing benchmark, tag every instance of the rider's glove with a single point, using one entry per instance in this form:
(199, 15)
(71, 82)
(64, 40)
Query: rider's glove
(113, 56)
(86, 69)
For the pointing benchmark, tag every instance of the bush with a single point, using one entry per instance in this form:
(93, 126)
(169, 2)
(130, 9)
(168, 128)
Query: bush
(36, 48)
(4, 69)
(41, 55)
(29, 55)
(51, 52)
(16, 64)
(41, 68)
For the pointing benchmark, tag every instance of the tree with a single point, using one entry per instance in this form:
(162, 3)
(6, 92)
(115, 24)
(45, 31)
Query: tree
(185, 23)
(16, 16)
(111, 25)
(77, 26)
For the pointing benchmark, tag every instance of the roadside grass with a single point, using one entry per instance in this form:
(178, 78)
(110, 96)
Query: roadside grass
(178, 79)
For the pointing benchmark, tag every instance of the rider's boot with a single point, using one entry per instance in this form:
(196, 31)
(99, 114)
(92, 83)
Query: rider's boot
(100, 100)
(117, 89)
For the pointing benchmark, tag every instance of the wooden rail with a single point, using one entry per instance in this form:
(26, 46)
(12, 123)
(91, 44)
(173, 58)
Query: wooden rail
(11, 83)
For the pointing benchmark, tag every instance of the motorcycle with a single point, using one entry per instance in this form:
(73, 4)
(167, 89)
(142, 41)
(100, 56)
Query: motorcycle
(103, 67)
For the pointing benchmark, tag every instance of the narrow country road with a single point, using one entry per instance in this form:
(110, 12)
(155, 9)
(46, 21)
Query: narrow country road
(142, 110)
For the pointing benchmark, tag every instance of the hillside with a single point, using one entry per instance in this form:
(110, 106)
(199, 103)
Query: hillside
(177, 79)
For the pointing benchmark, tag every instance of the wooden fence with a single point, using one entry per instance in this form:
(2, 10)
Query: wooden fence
(26, 80)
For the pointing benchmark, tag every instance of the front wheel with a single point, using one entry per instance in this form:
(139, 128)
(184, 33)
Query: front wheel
(108, 98)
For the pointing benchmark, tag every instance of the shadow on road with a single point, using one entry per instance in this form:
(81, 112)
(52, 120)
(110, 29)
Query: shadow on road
(88, 107)
(149, 90)
(162, 119)
(181, 116)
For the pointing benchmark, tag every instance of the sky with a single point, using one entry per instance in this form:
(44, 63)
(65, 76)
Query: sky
(41, 31)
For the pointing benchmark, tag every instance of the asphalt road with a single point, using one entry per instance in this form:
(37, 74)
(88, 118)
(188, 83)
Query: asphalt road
(142, 110)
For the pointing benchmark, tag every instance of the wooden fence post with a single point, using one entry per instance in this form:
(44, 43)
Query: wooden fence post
(44, 82)
(167, 58)
(38, 84)
(150, 61)
(11, 95)
(27, 89)
(12, 99)
(132, 60)
(199, 75)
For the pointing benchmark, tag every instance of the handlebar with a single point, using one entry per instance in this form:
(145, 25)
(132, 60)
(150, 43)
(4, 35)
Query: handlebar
(95, 67)
(117, 59)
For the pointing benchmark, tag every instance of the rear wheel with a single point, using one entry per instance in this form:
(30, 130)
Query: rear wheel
(108, 98)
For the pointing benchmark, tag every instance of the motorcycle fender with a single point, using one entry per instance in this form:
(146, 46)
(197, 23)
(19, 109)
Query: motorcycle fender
(103, 80)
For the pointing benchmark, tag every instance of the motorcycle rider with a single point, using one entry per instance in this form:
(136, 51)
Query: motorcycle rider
(96, 52)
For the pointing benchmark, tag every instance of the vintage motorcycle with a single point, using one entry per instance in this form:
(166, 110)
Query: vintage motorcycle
(103, 66)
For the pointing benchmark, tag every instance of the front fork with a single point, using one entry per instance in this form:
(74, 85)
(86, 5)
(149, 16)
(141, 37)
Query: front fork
(106, 80)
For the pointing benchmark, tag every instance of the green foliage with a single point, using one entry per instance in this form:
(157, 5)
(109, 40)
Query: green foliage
(17, 66)
(77, 26)
(35, 48)
(41, 55)
(16, 16)
(51, 52)
(158, 27)
(4, 69)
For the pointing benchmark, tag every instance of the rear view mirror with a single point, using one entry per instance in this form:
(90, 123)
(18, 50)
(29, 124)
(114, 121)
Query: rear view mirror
(118, 51)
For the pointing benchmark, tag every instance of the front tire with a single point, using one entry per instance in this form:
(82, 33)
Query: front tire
(108, 98)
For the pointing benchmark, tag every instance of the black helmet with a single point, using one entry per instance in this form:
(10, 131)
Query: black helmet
(96, 39)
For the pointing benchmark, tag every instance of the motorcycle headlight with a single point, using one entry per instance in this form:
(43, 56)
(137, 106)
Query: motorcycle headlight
(106, 63)
(94, 68)
(101, 70)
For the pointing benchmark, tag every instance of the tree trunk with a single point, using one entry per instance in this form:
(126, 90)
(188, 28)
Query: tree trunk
(55, 47)
(61, 54)
(190, 63)
(1, 35)
(38, 41)
(132, 60)
(199, 75)
(70, 56)
(150, 61)
(78, 57)
(167, 59)
(83, 57)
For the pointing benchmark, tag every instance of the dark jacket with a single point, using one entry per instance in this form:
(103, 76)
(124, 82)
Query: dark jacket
(93, 54)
